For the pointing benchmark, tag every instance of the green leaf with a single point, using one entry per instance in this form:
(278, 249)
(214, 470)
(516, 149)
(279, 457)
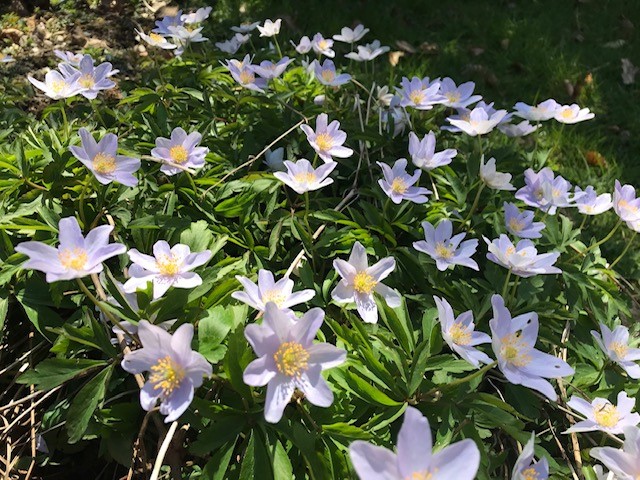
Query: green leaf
(212, 330)
(55, 371)
(368, 392)
(198, 236)
(85, 403)
(4, 308)
(345, 431)
(255, 461)
(216, 467)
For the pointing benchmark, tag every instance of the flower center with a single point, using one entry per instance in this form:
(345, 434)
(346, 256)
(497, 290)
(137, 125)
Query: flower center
(607, 416)
(516, 225)
(620, 349)
(166, 375)
(291, 359)
(567, 113)
(276, 296)
(168, 265)
(246, 77)
(58, 85)
(459, 334)
(422, 475)
(305, 177)
(87, 81)
(529, 474)
(443, 251)
(364, 283)
(324, 141)
(510, 250)
(178, 154)
(624, 205)
(323, 44)
(514, 351)
(399, 186)
(328, 75)
(74, 259)
(453, 97)
(104, 163)
(416, 96)
(156, 37)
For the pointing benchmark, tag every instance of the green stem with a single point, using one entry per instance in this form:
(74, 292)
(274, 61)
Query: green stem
(65, 123)
(597, 244)
(506, 284)
(480, 149)
(584, 220)
(461, 381)
(475, 203)
(514, 289)
(615, 262)
(275, 40)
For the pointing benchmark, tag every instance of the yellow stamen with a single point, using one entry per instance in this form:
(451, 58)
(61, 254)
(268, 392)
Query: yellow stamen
(624, 205)
(459, 334)
(399, 186)
(291, 359)
(246, 77)
(453, 97)
(516, 225)
(567, 113)
(168, 265)
(276, 296)
(364, 283)
(324, 141)
(305, 177)
(529, 474)
(423, 475)
(443, 251)
(323, 44)
(75, 259)
(166, 375)
(328, 75)
(104, 164)
(607, 416)
(511, 250)
(620, 349)
(58, 85)
(87, 81)
(156, 37)
(178, 154)
(515, 351)
(416, 96)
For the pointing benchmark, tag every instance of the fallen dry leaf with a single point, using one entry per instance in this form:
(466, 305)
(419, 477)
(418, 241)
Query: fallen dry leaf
(629, 71)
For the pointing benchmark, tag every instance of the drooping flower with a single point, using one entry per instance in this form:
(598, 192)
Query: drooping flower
(76, 256)
(460, 335)
(326, 74)
(359, 281)
(327, 140)
(625, 203)
(304, 46)
(528, 469)
(396, 116)
(521, 129)
(103, 160)
(181, 150)
(71, 58)
(348, 35)
(199, 16)
(56, 86)
(423, 152)
(481, 120)
(421, 94)
(590, 203)
(458, 96)
(230, 46)
(546, 191)
(615, 344)
(288, 359)
(270, 28)
(322, 46)
(274, 159)
(175, 370)
(398, 184)
(543, 111)
(162, 25)
(89, 78)
(521, 224)
(624, 463)
(245, 27)
(269, 70)
(603, 415)
(168, 267)
(446, 249)
(572, 114)
(268, 290)
(492, 178)
(414, 458)
(302, 177)
(522, 259)
(367, 52)
(513, 342)
(244, 73)
(157, 40)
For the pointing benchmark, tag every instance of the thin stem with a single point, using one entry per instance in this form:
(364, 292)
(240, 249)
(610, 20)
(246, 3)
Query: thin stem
(615, 262)
(480, 148)
(163, 450)
(597, 244)
(275, 40)
(65, 123)
(433, 185)
(584, 220)
(506, 284)
(512, 294)
(475, 203)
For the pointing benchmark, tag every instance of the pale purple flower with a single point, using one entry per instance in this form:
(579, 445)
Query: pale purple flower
(270, 28)
(463, 114)
(625, 203)
(245, 27)
(76, 256)
(322, 46)
(423, 152)
(396, 116)
(546, 191)
(89, 78)
(181, 150)
(156, 40)
(103, 160)
(528, 469)
(162, 25)
(359, 281)
(56, 86)
(274, 159)
(304, 46)
(175, 370)
(492, 178)
(348, 35)
(419, 93)
(4, 58)
(367, 52)
(326, 74)
(244, 73)
(71, 58)
(384, 96)
(572, 114)
(603, 415)
(268, 290)
(601, 474)
(168, 267)
(230, 46)
(200, 15)
(445, 248)
(482, 120)
(288, 359)
(460, 335)
(241, 39)
(513, 342)
(522, 259)
(590, 203)
(269, 70)
(543, 111)
(521, 129)
(624, 463)
(302, 177)
(521, 224)
(184, 36)
(414, 458)
(398, 184)
(327, 140)
(458, 96)
(615, 344)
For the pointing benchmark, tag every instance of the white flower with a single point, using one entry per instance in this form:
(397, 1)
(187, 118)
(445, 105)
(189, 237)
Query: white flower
(245, 27)
(543, 111)
(230, 46)
(270, 28)
(603, 415)
(302, 177)
(367, 52)
(590, 203)
(573, 114)
(481, 120)
(492, 178)
(304, 46)
(359, 281)
(268, 290)
(55, 86)
(156, 40)
(322, 45)
(423, 152)
(458, 96)
(351, 36)
(521, 129)
(198, 16)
